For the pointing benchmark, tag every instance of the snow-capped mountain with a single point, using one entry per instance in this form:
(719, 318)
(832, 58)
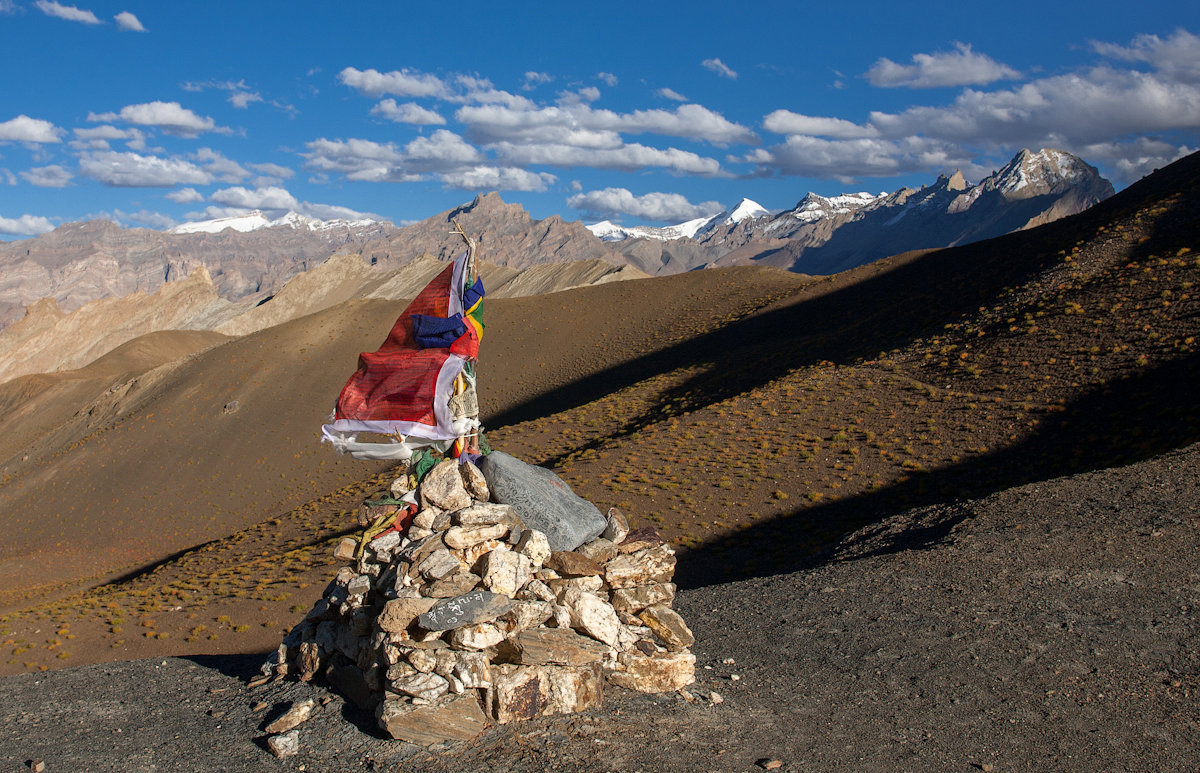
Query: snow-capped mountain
(814, 207)
(255, 220)
(612, 232)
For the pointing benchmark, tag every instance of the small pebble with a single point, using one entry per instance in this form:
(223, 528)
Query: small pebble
(769, 764)
(716, 698)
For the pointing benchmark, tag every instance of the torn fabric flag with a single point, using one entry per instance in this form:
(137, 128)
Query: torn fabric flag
(404, 388)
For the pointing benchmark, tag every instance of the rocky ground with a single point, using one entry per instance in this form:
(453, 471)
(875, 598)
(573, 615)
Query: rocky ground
(1051, 626)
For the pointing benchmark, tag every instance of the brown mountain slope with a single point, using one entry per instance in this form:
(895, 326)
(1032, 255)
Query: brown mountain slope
(229, 437)
(758, 440)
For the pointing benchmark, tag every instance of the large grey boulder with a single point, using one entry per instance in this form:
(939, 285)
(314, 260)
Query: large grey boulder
(542, 500)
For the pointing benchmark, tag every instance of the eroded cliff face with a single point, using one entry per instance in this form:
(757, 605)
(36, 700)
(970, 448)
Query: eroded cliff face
(81, 262)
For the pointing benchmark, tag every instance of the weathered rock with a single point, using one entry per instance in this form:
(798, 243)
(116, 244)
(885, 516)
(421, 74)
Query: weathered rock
(534, 546)
(525, 692)
(359, 585)
(633, 600)
(285, 744)
(308, 660)
(473, 669)
(383, 545)
(505, 572)
(527, 614)
(479, 636)
(443, 487)
(431, 519)
(572, 564)
(640, 539)
(346, 549)
(439, 564)
(460, 537)
(471, 555)
(536, 589)
(616, 527)
(599, 550)
(457, 718)
(398, 614)
(645, 567)
(543, 501)
(422, 660)
(478, 606)
(426, 686)
(296, 714)
(563, 589)
(456, 584)
(596, 618)
(657, 673)
(551, 646)
(474, 481)
(486, 514)
(668, 626)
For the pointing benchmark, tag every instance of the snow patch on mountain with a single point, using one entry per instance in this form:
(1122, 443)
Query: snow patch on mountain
(253, 221)
(609, 231)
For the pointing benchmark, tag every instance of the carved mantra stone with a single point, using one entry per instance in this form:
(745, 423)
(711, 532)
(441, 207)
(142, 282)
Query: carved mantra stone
(542, 500)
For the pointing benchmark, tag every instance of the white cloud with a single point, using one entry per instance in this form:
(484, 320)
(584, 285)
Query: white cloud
(171, 117)
(1135, 159)
(272, 170)
(409, 112)
(787, 122)
(535, 79)
(8, 177)
(273, 198)
(9, 7)
(185, 196)
(53, 176)
(355, 158)
(629, 157)
(401, 83)
(612, 203)
(440, 149)
(671, 94)
(585, 126)
(483, 177)
(960, 67)
(128, 22)
(68, 12)
(608, 78)
(441, 152)
(131, 170)
(26, 129)
(142, 217)
(719, 67)
(25, 225)
(242, 99)
(1177, 57)
(849, 159)
(220, 168)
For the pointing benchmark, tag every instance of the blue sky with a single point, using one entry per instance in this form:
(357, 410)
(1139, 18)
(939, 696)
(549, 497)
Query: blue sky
(153, 113)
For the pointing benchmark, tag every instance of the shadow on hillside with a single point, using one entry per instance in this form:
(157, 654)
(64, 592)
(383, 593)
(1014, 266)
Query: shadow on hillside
(1132, 419)
(1128, 421)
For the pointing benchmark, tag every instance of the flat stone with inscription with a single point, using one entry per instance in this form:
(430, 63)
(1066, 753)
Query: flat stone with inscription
(542, 500)
(478, 606)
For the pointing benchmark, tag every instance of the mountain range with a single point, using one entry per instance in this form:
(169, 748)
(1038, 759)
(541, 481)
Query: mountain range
(86, 288)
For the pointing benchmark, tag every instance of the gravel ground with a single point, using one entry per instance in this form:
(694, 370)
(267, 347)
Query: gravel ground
(1048, 627)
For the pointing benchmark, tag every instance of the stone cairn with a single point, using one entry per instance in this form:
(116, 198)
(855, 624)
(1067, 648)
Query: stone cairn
(499, 596)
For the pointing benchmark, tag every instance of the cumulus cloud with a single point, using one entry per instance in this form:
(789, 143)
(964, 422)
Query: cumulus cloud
(787, 122)
(25, 225)
(409, 112)
(535, 79)
(960, 67)
(607, 78)
(143, 217)
(53, 176)
(441, 152)
(1177, 57)
(272, 198)
(400, 83)
(132, 170)
(485, 177)
(185, 196)
(26, 129)
(585, 126)
(128, 22)
(170, 117)
(849, 159)
(671, 94)
(220, 168)
(629, 157)
(612, 203)
(719, 67)
(272, 170)
(68, 12)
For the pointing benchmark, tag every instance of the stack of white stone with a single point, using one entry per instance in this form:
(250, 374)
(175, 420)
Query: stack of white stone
(469, 618)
